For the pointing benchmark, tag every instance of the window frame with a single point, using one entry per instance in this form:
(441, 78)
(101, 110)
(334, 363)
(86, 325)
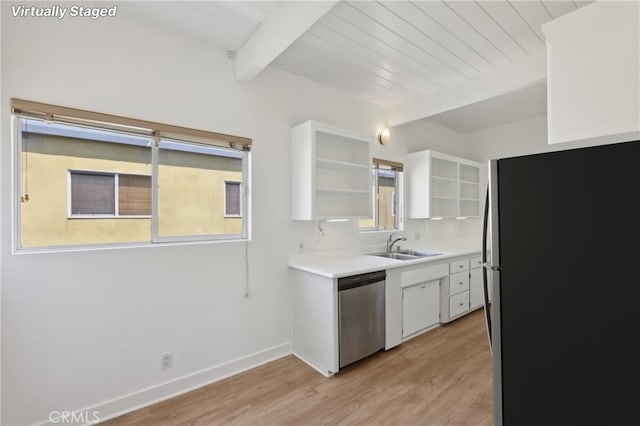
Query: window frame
(128, 126)
(397, 199)
(116, 191)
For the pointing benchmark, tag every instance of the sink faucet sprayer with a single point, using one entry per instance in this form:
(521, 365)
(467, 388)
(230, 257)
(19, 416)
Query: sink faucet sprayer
(391, 241)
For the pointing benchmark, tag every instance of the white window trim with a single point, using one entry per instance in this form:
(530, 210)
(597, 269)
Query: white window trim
(394, 203)
(116, 215)
(225, 199)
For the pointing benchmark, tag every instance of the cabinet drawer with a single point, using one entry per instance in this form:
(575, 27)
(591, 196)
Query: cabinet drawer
(476, 262)
(458, 304)
(458, 283)
(459, 266)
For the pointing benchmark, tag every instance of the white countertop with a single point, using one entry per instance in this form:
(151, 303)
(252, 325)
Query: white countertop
(344, 263)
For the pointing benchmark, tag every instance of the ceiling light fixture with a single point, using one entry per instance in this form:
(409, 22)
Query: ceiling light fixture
(383, 136)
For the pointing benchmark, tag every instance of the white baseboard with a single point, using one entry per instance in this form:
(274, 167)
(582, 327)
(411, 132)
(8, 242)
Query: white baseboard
(307, 360)
(153, 394)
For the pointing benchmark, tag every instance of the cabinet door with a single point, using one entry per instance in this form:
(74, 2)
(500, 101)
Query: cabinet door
(420, 307)
(476, 297)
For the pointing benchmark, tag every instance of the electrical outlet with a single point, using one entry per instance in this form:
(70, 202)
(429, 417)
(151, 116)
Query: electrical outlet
(165, 360)
(418, 235)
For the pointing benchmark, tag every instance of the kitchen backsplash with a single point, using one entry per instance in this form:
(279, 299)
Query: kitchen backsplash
(315, 237)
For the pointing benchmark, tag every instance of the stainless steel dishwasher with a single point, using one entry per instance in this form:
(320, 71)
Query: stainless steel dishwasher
(361, 315)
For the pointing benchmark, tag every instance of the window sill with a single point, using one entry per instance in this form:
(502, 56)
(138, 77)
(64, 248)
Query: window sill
(378, 231)
(120, 246)
(87, 216)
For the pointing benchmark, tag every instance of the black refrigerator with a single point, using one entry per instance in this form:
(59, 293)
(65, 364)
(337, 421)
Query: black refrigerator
(564, 266)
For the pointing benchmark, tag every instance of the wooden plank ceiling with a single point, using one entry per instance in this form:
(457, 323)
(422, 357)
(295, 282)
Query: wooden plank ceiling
(391, 52)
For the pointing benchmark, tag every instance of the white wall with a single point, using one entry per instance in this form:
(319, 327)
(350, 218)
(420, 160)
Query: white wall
(83, 328)
(519, 138)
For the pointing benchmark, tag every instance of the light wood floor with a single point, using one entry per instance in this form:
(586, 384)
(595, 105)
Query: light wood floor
(442, 377)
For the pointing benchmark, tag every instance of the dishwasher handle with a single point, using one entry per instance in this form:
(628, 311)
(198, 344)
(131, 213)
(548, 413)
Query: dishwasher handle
(360, 280)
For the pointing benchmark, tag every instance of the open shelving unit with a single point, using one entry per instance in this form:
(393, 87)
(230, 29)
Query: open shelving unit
(442, 186)
(331, 172)
(469, 190)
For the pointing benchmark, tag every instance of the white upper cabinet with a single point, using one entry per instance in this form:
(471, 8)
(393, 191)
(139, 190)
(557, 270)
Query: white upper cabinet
(442, 186)
(593, 74)
(330, 173)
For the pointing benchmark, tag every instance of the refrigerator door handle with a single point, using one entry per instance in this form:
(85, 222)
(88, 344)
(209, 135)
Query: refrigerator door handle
(488, 265)
(485, 266)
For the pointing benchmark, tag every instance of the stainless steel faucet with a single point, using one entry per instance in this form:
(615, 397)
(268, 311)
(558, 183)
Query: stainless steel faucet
(391, 241)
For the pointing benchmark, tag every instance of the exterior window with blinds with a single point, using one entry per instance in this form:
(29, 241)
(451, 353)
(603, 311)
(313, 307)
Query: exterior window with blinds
(85, 178)
(134, 195)
(95, 194)
(92, 194)
(386, 182)
(233, 199)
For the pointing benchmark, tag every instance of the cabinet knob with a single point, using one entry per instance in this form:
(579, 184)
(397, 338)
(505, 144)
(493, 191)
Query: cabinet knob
(461, 304)
(461, 266)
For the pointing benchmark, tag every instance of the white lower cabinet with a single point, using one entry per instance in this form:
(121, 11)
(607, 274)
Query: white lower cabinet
(315, 320)
(420, 307)
(413, 298)
(461, 292)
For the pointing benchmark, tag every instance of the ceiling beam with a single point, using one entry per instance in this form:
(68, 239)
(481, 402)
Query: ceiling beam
(278, 31)
(502, 80)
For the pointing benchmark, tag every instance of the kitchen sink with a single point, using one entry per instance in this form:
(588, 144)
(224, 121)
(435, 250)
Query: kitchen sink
(419, 253)
(406, 254)
(395, 255)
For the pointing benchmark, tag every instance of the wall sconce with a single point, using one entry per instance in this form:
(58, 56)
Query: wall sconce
(383, 136)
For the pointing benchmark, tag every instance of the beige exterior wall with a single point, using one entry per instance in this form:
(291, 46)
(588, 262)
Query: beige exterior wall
(192, 198)
(192, 190)
(386, 220)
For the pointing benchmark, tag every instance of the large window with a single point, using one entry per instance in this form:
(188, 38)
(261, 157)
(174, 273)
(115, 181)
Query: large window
(387, 197)
(87, 178)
